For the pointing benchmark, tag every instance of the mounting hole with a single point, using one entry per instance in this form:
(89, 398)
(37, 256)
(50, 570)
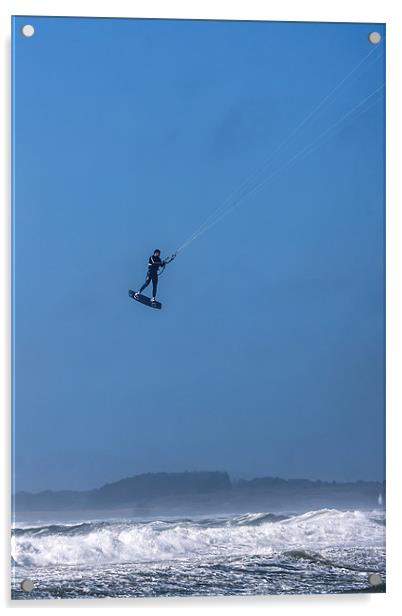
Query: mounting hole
(374, 37)
(28, 30)
(27, 585)
(374, 579)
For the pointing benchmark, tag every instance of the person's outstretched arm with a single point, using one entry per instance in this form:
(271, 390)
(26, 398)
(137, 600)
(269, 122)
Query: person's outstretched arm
(169, 259)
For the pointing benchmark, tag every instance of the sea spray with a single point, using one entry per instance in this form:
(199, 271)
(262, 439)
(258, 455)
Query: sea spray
(161, 540)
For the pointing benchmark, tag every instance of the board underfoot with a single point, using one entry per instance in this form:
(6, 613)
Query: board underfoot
(143, 299)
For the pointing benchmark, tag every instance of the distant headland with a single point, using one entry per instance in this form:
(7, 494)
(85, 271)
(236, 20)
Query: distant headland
(203, 491)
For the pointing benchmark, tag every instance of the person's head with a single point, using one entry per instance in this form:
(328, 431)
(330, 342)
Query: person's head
(157, 252)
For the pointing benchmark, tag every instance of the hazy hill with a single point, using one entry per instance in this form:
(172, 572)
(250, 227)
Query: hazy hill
(206, 491)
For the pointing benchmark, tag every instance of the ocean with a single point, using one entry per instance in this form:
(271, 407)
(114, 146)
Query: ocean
(323, 551)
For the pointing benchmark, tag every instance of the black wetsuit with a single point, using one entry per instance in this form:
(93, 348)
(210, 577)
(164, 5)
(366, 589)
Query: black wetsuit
(154, 263)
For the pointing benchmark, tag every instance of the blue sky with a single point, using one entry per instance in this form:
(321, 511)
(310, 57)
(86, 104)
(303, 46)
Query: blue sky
(268, 355)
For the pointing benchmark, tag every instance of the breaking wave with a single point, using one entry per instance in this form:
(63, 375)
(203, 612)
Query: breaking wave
(97, 543)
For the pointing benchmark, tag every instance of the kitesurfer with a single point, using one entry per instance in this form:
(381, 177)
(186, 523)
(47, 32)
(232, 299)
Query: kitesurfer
(154, 263)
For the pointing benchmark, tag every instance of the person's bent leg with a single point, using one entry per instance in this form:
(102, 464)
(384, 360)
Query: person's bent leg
(146, 283)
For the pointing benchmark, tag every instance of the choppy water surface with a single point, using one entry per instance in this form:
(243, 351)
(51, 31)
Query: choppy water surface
(324, 551)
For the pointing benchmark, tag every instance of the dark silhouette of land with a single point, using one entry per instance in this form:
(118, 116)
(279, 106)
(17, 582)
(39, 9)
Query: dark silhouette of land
(205, 491)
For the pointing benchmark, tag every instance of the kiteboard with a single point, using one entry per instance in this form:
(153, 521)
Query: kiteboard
(143, 299)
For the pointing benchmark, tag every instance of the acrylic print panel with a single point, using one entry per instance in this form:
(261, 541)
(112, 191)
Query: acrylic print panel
(220, 429)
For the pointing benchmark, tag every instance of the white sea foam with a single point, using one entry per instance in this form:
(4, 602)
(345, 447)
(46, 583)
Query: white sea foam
(259, 534)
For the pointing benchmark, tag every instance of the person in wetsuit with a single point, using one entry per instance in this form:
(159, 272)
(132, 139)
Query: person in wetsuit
(154, 263)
